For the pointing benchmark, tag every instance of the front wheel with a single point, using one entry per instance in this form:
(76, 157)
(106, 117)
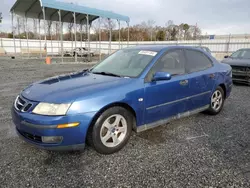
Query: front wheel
(216, 101)
(111, 131)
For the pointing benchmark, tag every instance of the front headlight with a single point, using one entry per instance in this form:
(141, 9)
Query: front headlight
(50, 109)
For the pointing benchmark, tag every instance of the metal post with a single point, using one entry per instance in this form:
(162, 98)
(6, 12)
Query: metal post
(228, 45)
(110, 35)
(45, 28)
(40, 38)
(119, 24)
(72, 44)
(18, 28)
(128, 34)
(81, 33)
(51, 43)
(61, 33)
(74, 15)
(58, 36)
(96, 41)
(27, 35)
(88, 32)
(100, 36)
(12, 22)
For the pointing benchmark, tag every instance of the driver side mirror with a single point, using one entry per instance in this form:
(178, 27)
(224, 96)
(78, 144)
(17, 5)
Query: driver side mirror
(158, 76)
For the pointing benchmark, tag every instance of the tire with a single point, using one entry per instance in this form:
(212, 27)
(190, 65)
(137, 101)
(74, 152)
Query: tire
(219, 100)
(106, 135)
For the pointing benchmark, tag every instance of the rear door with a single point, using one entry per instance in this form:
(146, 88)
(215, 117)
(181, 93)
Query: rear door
(201, 76)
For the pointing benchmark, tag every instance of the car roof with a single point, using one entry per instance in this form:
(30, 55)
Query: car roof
(244, 49)
(200, 47)
(158, 48)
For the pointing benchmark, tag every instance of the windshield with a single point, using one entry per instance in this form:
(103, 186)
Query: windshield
(125, 63)
(242, 54)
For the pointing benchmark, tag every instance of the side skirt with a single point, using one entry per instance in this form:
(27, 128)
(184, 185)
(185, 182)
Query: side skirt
(164, 121)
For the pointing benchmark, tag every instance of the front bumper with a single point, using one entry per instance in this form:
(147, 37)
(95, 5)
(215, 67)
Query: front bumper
(241, 75)
(31, 128)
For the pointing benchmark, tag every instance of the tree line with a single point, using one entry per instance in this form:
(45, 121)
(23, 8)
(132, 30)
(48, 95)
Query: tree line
(145, 31)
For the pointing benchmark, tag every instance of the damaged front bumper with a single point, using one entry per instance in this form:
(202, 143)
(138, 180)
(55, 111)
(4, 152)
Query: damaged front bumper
(241, 74)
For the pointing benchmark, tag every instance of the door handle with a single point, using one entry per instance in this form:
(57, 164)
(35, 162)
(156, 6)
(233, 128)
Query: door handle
(211, 75)
(183, 82)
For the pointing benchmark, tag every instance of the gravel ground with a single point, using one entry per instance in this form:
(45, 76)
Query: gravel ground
(199, 151)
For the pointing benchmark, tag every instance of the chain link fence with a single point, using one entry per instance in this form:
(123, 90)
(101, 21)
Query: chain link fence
(36, 48)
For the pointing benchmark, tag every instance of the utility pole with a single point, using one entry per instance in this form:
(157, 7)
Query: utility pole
(1, 18)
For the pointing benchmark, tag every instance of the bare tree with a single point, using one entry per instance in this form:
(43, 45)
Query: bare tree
(169, 23)
(70, 28)
(194, 33)
(137, 33)
(181, 32)
(185, 28)
(108, 25)
(105, 23)
(35, 26)
(149, 25)
(49, 26)
(57, 30)
(172, 31)
(95, 28)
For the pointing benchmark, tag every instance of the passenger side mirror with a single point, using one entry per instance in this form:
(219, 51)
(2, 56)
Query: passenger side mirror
(158, 76)
(226, 56)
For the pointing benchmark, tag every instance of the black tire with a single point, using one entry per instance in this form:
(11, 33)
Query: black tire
(211, 110)
(93, 135)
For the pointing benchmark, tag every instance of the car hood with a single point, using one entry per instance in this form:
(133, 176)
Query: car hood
(237, 62)
(68, 88)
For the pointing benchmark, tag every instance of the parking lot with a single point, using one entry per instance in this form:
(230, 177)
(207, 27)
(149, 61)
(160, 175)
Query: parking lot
(199, 151)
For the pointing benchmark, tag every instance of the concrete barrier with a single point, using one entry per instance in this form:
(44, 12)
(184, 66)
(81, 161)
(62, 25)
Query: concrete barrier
(32, 51)
(220, 56)
(2, 51)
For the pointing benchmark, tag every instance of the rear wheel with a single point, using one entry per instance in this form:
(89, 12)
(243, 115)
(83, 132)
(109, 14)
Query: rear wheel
(216, 101)
(111, 131)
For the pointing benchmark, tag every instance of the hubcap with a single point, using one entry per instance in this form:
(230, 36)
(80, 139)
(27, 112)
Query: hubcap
(216, 100)
(113, 130)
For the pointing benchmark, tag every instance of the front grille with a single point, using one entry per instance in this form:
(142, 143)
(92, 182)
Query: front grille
(29, 136)
(22, 104)
(240, 69)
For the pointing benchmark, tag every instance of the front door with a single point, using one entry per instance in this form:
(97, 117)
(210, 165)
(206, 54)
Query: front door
(164, 99)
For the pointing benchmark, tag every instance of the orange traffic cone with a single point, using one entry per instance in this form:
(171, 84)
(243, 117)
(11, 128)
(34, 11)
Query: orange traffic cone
(48, 60)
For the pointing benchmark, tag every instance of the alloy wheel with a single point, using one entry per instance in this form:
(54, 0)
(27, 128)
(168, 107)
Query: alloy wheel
(217, 100)
(113, 130)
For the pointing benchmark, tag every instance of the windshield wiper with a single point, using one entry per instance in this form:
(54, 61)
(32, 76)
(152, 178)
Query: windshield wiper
(85, 70)
(106, 73)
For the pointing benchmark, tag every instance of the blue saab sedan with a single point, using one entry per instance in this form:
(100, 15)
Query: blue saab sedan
(135, 88)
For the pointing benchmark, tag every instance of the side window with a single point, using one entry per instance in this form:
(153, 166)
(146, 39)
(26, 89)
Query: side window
(172, 62)
(197, 61)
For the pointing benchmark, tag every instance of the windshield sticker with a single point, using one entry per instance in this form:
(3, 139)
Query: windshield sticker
(151, 53)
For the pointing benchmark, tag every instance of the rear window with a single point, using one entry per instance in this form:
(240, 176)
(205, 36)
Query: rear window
(197, 61)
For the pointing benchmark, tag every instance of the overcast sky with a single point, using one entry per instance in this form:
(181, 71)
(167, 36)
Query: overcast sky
(212, 16)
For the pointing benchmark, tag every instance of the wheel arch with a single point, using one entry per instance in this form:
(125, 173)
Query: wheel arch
(223, 86)
(115, 104)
